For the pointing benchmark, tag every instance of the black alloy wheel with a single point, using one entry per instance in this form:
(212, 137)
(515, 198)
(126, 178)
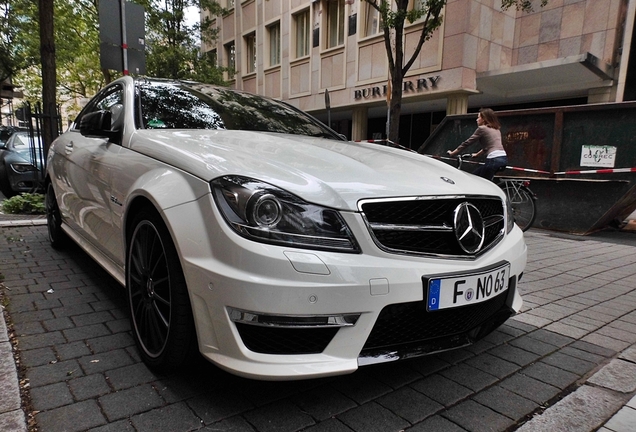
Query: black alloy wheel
(160, 310)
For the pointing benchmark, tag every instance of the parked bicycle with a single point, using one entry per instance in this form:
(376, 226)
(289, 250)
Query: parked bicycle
(522, 199)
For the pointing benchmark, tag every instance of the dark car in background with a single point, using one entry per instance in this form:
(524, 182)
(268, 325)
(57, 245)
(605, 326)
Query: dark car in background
(21, 158)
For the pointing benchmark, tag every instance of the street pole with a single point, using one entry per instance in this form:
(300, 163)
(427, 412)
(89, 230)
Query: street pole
(124, 42)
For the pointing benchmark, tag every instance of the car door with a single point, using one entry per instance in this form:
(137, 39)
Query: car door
(83, 178)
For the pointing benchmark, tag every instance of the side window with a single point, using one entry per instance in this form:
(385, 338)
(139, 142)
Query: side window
(110, 99)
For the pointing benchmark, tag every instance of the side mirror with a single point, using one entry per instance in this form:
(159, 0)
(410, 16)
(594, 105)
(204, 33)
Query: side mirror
(98, 125)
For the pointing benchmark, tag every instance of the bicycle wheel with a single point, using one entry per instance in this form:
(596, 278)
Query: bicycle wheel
(522, 203)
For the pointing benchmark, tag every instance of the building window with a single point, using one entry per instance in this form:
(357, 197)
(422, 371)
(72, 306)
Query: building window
(301, 23)
(335, 22)
(213, 58)
(230, 56)
(274, 43)
(250, 53)
(372, 20)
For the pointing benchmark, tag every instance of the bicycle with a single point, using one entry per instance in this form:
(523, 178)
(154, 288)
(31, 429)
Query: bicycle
(521, 198)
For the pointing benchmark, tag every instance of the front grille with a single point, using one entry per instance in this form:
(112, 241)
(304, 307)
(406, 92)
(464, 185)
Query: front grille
(410, 324)
(425, 226)
(277, 340)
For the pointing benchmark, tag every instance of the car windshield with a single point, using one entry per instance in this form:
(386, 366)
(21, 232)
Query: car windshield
(201, 106)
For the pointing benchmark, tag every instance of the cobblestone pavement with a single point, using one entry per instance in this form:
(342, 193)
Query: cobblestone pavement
(565, 363)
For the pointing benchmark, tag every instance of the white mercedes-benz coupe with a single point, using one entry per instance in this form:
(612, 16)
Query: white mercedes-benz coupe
(246, 230)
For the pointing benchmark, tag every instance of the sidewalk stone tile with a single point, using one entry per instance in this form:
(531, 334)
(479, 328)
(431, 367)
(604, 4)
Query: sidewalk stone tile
(372, 417)
(118, 426)
(323, 403)
(330, 425)
(41, 340)
(110, 342)
(51, 396)
(437, 424)
(217, 405)
(499, 336)
(469, 376)
(606, 341)
(410, 405)
(172, 417)
(280, 417)
(394, 377)
(23, 317)
(566, 330)
(130, 376)
(58, 324)
(594, 349)
(126, 403)
(53, 373)
(93, 318)
(551, 375)
(583, 355)
(532, 320)
(71, 418)
(72, 350)
(86, 332)
(88, 387)
(530, 388)
(569, 363)
(617, 333)
(528, 343)
(105, 361)
(68, 311)
(493, 365)
(477, 418)
(514, 355)
(360, 387)
(428, 365)
(506, 402)
(38, 357)
(119, 325)
(442, 389)
(28, 328)
(551, 338)
(619, 375)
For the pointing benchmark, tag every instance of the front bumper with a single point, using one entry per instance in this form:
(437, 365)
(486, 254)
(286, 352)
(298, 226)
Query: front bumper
(262, 311)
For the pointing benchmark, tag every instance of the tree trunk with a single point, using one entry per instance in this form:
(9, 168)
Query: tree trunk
(49, 78)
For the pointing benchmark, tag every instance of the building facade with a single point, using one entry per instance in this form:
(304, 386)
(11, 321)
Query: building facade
(316, 54)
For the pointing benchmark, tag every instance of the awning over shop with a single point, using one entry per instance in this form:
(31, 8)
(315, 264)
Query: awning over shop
(566, 77)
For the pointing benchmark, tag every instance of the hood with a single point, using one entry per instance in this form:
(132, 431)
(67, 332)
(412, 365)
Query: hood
(331, 173)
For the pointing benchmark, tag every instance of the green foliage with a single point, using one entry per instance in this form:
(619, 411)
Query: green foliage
(172, 46)
(25, 203)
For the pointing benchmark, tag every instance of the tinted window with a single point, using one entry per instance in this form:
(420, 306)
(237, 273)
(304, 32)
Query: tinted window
(200, 106)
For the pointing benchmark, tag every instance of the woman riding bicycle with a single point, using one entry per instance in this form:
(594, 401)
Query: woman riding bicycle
(489, 137)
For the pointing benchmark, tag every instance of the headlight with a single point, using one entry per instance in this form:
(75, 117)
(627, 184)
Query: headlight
(262, 212)
(23, 168)
(510, 217)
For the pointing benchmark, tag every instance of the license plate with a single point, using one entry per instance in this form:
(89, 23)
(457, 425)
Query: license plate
(455, 290)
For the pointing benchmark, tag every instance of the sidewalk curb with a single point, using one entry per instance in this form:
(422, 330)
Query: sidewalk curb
(12, 418)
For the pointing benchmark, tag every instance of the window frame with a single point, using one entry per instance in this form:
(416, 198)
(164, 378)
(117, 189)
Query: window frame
(274, 43)
(302, 35)
(335, 23)
(250, 57)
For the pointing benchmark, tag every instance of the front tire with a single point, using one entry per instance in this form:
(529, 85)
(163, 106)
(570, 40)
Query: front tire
(57, 236)
(161, 316)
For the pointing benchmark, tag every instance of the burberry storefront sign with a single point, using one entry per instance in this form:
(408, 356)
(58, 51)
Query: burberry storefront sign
(418, 85)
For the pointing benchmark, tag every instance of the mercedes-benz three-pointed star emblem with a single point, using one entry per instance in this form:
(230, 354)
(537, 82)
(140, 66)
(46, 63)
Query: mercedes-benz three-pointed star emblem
(469, 227)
